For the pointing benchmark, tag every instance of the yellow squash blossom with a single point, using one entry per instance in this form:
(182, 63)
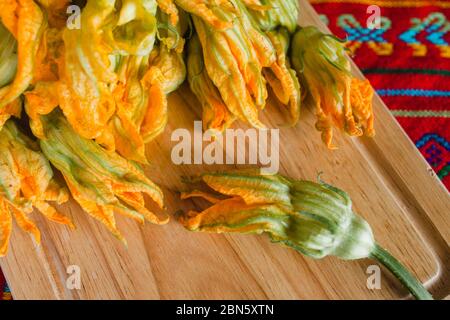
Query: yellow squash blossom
(278, 19)
(281, 77)
(56, 12)
(207, 11)
(8, 68)
(340, 99)
(165, 74)
(237, 61)
(28, 46)
(215, 112)
(272, 14)
(233, 60)
(12, 109)
(87, 70)
(141, 99)
(315, 219)
(8, 56)
(169, 7)
(144, 82)
(25, 20)
(114, 74)
(69, 74)
(102, 182)
(26, 182)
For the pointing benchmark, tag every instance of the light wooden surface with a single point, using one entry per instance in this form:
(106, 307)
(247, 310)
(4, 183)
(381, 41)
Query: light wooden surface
(390, 184)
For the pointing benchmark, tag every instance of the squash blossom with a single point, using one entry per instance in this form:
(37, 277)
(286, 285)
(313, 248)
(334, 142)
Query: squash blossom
(113, 74)
(26, 22)
(206, 10)
(271, 14)
(340, 99)
(8, 56)
(230, 72)
(315, 219)
(282, 78)
(109, 32)
(102, 182)
(278, 19)
(26, 182)
(166, 72)
(215, 112)
(8, 68)
(233, 59)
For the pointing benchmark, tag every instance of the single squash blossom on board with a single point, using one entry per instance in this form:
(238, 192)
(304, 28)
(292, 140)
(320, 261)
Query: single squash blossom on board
(26, 182)
(102, 182)
(340, 99)
(315, 219)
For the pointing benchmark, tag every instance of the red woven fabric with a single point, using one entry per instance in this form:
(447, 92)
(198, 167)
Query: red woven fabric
(407, 60)
(410, 70)
(5, 294)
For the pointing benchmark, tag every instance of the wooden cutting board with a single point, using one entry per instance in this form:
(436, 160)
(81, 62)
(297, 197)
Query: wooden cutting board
(390, 183)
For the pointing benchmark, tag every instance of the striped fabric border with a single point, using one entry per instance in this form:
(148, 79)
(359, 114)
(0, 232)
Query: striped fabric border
(406, 71)
(413, 93)
(421, 113)
(391, 3)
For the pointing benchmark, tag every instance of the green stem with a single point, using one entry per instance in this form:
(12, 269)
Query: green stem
(402, 274)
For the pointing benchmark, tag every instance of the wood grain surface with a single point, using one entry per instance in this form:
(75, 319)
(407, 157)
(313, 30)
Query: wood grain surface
(390, 183)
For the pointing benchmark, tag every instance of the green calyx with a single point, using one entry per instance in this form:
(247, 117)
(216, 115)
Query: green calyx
(319, 57)
(343, 233)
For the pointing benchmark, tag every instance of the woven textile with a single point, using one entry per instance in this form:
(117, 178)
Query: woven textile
(407, 59)
(406, 56)
(5, 294)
